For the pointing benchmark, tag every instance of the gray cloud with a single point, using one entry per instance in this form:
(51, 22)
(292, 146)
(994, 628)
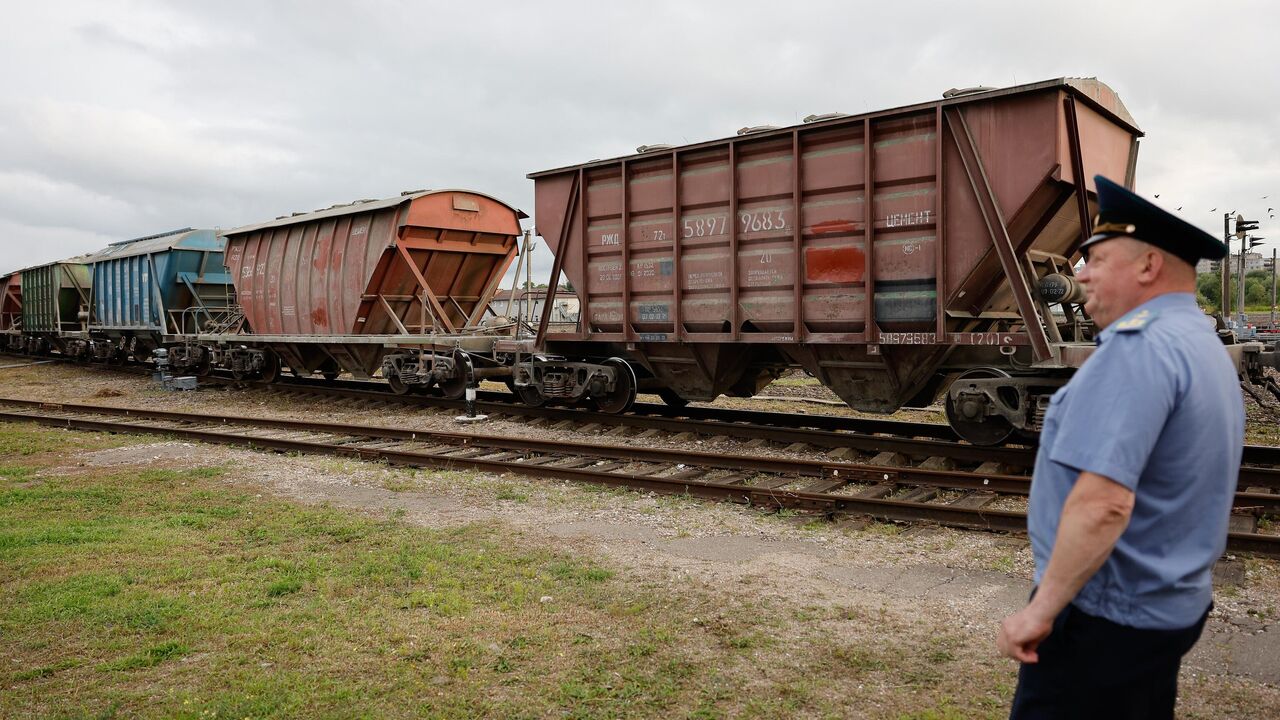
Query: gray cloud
(122, 119)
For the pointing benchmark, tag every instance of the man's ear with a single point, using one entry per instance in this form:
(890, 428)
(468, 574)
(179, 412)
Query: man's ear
(1150, 266)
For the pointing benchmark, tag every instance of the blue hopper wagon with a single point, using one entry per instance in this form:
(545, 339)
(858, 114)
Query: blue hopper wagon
(151, 291)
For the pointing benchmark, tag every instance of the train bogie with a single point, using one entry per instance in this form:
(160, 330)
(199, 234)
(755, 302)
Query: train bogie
(609, 386)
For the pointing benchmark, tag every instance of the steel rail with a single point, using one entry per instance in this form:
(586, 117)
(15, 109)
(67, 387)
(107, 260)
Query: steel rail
(825, 431)
(1259, 469)
(1012, 456)
(849, 472)
(846, 471)
(831, 504)
(937, 431)
(825, 502)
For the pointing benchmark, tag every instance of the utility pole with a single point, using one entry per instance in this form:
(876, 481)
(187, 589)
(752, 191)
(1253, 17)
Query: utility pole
(1243, 228)
(1244, 244)
(1224, 272)
(1273, 290)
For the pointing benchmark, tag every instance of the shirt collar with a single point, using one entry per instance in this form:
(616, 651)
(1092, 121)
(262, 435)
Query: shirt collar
(1168, 301)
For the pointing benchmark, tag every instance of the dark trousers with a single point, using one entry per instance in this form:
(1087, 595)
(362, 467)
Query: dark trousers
(1093, 668)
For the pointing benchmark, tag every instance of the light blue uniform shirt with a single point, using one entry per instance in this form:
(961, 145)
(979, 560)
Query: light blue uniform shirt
(1156, 408)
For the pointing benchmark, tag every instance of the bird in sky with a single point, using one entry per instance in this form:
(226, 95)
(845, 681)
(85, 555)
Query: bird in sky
(1157, 194)
(1179, 208)
(1214, 210)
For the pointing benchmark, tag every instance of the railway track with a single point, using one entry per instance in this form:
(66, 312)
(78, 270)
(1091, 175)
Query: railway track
(901, 428)
(902, 445)
(949, 497)
(895, 443)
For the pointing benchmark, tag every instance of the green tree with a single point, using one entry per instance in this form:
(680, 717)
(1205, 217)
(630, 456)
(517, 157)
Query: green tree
(1256, 293)
(1209, 287)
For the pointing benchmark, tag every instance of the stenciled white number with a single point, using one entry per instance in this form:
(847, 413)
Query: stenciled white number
(767, 220)
(702, 227)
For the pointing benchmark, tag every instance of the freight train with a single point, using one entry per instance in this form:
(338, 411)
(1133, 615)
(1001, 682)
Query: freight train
(896, 256)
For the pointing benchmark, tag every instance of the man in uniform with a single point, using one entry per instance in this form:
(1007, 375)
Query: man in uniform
(1133, 482)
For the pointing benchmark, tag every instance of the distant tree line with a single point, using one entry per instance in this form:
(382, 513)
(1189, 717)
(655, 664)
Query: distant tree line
(1257, 290)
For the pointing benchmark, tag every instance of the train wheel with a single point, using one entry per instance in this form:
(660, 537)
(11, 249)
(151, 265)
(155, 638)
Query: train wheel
(529, 395)
(454, 388)
(624, 390)
(970, 421)
(329, 375)
(204, 368)
(397, 385)
(270, 367)
(670, 397)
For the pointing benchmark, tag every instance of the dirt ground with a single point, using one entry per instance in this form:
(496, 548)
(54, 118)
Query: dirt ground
(960, 583)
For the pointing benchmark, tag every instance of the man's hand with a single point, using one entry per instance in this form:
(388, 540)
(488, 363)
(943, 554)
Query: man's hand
(1094, 516)
(1022, 632)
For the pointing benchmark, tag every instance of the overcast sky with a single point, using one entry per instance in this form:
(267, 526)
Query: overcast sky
(123, 119)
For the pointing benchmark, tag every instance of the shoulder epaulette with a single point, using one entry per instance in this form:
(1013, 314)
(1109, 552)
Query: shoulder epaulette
(1136, 322)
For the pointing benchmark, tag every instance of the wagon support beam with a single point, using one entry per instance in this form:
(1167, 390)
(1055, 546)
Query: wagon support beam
(1077, 171)
(427, 293)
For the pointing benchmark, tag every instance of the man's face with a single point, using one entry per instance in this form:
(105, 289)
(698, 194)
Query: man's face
(1110, 279)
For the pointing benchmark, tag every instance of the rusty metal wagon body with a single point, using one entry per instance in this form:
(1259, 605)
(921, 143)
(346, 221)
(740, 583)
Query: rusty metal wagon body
(344, 288)
(883, 253)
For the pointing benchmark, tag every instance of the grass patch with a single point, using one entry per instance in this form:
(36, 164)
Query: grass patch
(401, 483)
(512, 492)
(1004, 564)
(149, 657)
(26, 439)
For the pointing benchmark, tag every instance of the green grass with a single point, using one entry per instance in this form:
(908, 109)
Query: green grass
(22, 439)
(178, 593)
(160, 587)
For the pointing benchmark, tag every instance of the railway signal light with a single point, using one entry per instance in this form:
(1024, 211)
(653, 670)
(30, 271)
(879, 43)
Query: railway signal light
(1255, 241)
(1244, 227)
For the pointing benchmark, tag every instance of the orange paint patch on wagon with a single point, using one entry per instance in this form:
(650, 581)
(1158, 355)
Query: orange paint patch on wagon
(833, 226)
(834, 264)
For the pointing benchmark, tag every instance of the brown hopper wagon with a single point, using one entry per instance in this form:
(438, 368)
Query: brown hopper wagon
(398, 286)
(892, 254)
